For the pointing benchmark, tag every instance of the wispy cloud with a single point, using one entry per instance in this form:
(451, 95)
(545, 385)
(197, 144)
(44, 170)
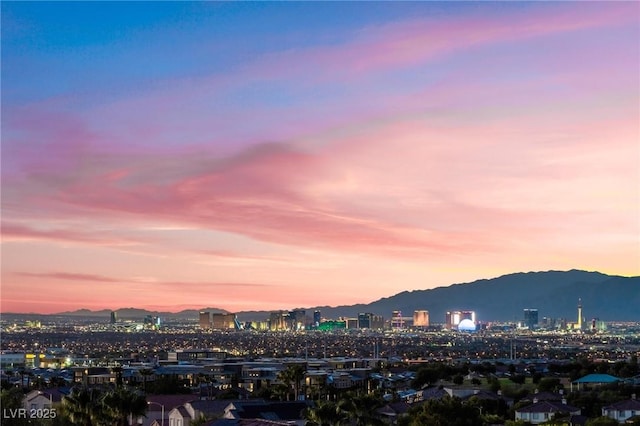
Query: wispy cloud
(503, 137)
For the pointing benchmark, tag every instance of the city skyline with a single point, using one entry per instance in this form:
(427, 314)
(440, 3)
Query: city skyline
(257, 156)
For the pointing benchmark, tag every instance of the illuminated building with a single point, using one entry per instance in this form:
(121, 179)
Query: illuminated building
(316, 318)
(397, 320)
(531, 318)
(297, 319)
(421, 318)
(278, 320)
(453, 318)
(579, 324)
(370, 320)
(220, 321)
(205, 320)
(332, 325)
(364, 321)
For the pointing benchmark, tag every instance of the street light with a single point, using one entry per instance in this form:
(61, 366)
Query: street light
(161, 407)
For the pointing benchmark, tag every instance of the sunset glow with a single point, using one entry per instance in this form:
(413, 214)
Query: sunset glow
(257, 156)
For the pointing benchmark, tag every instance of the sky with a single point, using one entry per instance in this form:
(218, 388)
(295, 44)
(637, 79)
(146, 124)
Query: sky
(279, 155)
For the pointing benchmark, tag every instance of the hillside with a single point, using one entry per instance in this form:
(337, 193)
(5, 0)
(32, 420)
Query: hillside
(554, 293)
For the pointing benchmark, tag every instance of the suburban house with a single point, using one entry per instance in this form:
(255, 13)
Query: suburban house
(623, 410)
(542, 411)
(39, 400)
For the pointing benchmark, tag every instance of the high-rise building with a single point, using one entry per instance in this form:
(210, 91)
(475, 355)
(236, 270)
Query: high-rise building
(421, 318)
(220, 321)
(370, 320)
(453, 318)
(364, 320)
(114, 317)
(397, 320)
(205, 320)
(376, 322)
(317, 317)
(470, 315)
(278, 320)
(351, 323)
(531, 318)
(297, 319)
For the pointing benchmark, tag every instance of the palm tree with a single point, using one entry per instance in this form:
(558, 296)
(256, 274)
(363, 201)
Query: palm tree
(145, 373)
(325, 413)
(361, 410)
(123, 406)
(293, 374)
(83, 406)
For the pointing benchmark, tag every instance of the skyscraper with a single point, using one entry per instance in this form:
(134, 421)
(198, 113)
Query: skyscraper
(364, 320)
(421, 318)
(531, 318)
(397, 320)
(205, 320)
(316, 318)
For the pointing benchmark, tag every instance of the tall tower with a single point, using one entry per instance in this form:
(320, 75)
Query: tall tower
(579, 326)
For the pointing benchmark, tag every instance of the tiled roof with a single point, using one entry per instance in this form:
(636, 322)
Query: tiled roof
(433, 393)
(629, 404)
(272, 410)
(215, 406)
(548, 407)
(169, 401)
(394, 408)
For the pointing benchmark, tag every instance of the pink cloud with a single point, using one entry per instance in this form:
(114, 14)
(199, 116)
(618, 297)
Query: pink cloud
(527, 160)
(412, 42)
(66, 276)
(16, 232)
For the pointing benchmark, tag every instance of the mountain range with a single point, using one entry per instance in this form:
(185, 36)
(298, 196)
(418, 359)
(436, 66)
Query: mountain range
(555, 294)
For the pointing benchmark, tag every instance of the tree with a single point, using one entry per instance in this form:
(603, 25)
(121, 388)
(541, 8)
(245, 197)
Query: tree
(518, 379)
(11, 399)
(361, 409)
(548, 384)
(145, 373)
(292, 375)
(445, 412)
(118, 372)
(602, 421)
(325, 413)
(83, 406)
(425, 376)
(123, 406)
